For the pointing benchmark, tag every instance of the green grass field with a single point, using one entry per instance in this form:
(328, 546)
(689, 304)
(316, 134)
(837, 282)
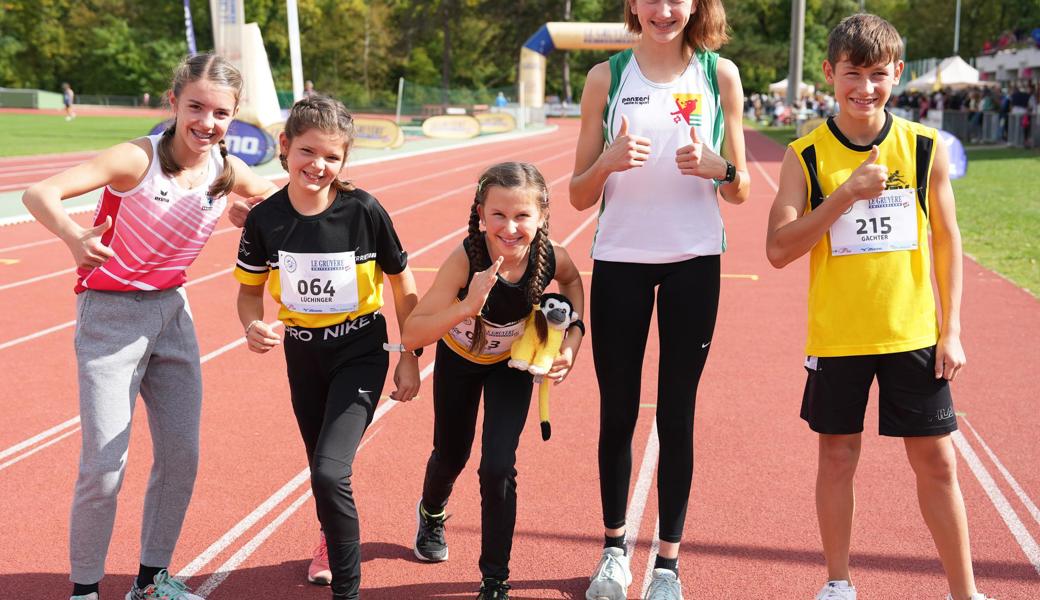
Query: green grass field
(42, 134)
(998, 210)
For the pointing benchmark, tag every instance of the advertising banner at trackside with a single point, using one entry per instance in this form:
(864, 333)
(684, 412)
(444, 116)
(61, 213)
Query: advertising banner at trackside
(500, 122)
(370, 132)
(565, 36)
(451, 127)
(248, 142)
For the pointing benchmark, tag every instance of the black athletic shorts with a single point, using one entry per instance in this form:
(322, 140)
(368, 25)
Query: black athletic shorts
(912, 402)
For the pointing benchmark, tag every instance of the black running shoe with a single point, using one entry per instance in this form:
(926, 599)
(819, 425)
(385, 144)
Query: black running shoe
(493, 589)
(430, 544)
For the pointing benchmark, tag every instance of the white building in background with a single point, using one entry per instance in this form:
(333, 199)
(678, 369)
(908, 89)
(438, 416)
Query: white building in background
(1011, 66)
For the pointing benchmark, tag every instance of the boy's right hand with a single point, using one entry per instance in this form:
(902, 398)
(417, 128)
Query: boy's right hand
(626, 151)
(260, 337)
(86, 247)
(868, 180)
(480, 286)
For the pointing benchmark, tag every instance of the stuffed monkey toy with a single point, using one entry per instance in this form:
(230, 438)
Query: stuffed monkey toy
(539, 345)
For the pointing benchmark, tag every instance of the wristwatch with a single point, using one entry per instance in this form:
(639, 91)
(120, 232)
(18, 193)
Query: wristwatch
(400, 348)
(731, 173)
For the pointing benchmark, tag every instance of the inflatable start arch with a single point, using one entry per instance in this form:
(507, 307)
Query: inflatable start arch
(565, 36)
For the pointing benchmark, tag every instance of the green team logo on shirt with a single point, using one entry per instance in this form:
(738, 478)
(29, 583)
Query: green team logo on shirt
(690, 108)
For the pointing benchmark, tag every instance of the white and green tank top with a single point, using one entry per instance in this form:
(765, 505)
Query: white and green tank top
(654, 213)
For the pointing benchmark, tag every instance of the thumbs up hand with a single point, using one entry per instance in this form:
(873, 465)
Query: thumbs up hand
(699, 160)
(240, 210)
(86, 247)
(868, 180)
(627, 150)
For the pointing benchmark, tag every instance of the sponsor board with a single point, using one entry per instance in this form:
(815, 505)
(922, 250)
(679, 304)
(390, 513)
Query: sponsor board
(496, 122)
(371, 132)
(451, 127)
(248, 142)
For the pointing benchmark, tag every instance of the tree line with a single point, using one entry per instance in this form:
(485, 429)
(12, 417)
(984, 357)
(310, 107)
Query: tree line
(357, 49)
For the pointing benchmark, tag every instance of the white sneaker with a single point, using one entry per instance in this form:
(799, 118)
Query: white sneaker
(611, 578)
(975, 596)
(664, 586)
(90, 596)
(838, 589)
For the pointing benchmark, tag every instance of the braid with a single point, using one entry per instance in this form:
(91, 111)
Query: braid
(536, 281)
(223, 184)
(476, 252)
(167, 163)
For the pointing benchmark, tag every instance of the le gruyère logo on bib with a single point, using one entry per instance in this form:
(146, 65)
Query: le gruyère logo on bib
(689, 108)
(290, 264)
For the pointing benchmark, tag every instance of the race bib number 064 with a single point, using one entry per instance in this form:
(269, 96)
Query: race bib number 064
(318, 283)
(882, 224)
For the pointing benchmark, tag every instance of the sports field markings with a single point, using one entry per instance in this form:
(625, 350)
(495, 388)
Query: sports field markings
(74, 422)
(1011, 481)
(1000, 502)
(652, 558)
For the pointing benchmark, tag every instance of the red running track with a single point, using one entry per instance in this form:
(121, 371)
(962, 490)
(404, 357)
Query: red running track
(751, 528)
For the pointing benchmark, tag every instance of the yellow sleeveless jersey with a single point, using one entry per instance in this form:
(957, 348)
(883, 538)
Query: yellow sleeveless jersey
(870, 287)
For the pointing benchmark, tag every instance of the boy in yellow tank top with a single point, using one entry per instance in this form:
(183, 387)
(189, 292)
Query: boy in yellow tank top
(860, 195)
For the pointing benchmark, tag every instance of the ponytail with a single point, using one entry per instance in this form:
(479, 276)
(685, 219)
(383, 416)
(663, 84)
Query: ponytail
(223, 184)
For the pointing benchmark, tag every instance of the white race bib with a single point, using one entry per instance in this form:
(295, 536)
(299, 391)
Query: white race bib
(882, 224)
(318, 283)
(498, 339)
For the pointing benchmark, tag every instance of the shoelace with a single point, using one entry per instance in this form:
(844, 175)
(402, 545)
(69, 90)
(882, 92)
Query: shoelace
(658, 589)
(435, 527)
(612, 563)
(495, 588)
(170, 587)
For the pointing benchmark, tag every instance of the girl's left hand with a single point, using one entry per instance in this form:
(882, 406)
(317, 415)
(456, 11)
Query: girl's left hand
(698, 160)
(561, 367)
(240, 210)
(406, 378)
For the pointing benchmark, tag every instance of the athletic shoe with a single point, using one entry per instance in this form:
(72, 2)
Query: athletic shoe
(837, 589)
(975, 596)
(318, 572)
(430, 544)
(664, 585)
(611, 578)
(163, 587)
(90, 596)
(493, 589)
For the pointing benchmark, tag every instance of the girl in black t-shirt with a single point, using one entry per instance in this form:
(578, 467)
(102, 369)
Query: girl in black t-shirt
(322, 246)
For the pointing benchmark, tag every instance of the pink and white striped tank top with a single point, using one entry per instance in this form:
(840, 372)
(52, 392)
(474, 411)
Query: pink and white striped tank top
(158, 229)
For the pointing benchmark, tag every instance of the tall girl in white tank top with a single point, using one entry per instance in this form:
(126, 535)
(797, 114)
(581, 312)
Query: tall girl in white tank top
(653, 123)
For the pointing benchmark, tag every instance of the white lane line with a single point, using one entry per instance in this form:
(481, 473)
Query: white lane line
(22, 457)
(40, 436)
(762, 170)
(1021, 493)
(1000, 502)
(637, 504)
(654, 547)
(75, 420)
(267, 506)
(574, 234)
(8, 286)
(33, 336)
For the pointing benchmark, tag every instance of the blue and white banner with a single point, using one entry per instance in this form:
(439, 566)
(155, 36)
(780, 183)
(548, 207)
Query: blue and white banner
(248, 142)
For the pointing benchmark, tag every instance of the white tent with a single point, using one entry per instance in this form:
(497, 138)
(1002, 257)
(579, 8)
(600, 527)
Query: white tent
(780, 87)
(952, 72)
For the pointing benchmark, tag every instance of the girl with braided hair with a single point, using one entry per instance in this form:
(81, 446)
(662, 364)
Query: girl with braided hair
(475, 309)
(162, 197)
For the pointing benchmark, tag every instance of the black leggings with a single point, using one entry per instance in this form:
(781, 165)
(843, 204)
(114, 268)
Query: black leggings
(335, 385)
(622, 302)
(457, 384)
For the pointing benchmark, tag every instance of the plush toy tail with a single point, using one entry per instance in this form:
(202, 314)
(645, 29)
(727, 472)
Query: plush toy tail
(543, 407)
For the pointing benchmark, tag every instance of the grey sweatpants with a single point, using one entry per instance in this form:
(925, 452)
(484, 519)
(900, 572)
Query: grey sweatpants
(130, 342)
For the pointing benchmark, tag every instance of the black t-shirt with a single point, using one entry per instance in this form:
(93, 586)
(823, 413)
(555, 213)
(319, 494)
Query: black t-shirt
(507, 302)
(354, 222)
